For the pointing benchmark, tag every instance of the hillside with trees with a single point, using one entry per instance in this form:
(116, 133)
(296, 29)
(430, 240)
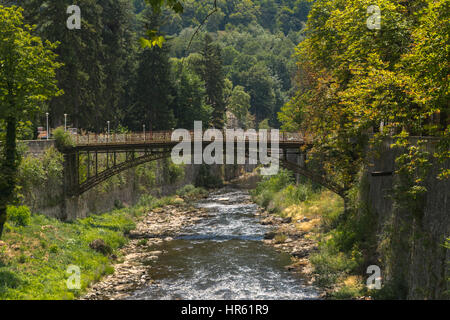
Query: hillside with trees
(216, 56)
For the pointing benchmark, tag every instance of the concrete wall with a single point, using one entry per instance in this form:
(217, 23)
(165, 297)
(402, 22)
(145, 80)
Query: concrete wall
(410, 246)
(94, 201)
(49, 199)
(36, 147)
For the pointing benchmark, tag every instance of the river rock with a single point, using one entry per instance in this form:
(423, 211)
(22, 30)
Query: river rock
(267, 221)
(300, 253)
(287, 220)
(100, 246)
(269, 235)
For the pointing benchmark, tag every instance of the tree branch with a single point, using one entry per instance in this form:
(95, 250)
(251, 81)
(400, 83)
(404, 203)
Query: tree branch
(201, 24)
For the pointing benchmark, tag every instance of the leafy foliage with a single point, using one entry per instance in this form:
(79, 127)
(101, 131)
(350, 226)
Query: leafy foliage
(63, 138)
(20, 216)
(353, 80)
(27, 78)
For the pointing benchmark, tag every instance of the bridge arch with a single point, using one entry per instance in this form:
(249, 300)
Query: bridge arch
(139, 150)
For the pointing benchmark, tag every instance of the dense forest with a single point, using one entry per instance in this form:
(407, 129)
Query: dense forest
(239, 59)
(166, 64)
(362, 80)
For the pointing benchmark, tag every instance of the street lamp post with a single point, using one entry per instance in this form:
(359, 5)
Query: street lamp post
(108, 130)
(65, 122)
(48, 133)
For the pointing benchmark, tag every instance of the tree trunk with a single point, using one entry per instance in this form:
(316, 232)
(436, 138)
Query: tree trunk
(344, 216)
(8, 169)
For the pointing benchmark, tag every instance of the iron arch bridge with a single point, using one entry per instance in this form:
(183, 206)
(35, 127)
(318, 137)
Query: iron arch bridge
(95, 158)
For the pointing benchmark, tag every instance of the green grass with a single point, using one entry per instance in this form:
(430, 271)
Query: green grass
(34, 258)
(189, 191)
(337, 263)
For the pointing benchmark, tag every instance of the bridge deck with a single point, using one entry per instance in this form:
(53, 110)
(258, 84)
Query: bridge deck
(163, 139)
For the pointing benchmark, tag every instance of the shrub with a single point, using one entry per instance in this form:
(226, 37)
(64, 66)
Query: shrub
(146, 200)
(118, 204)
(275, 183)
(187, 189)
(207, 180)
(191, 191)
(142, 242)
(280, 238)
(172, 172)
(20, 216)
(63, 139)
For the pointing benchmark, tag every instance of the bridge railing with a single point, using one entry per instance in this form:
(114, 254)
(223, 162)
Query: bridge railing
(166, 136)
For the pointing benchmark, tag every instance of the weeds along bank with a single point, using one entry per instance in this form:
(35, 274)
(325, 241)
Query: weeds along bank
(36, 250)
(37, 247)
(383, 228)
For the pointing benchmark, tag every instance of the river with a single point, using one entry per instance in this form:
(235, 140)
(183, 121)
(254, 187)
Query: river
(223, 257)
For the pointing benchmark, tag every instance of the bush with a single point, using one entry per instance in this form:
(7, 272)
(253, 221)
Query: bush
(118, 204)
(207, 180)
(276, 187)
(63, 139)
(187, 189)
(20, 216)
(146, 200)
(191, 191)
(280, 238)
(172, 172)
(275, 183)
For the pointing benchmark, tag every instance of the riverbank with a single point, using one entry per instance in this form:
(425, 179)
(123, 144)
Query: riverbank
(131, 271)
(305, 225)
(36, 253)
(221, 257)
(211, 249)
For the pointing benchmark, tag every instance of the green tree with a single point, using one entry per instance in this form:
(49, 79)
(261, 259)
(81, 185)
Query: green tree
(27, 78)
(190, 96)
(82, 76)
(212, 74)
(239, 104)
(351, 78)
(118, 57)
(153, 93)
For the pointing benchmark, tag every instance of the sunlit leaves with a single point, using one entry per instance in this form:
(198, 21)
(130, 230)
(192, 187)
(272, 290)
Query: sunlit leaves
(153, 38)
(352, 80)
(27, 76)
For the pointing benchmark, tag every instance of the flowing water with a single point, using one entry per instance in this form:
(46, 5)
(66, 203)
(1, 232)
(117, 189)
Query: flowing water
(223, 257)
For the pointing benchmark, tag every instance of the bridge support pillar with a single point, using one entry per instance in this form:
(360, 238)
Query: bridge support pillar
(295, 156)
(301, 161)
(70, 182)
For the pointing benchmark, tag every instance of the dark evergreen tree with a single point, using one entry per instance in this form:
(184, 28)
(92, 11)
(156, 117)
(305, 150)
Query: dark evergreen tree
(82, 76)
(118, 57)
(153, 92)
(213, 76)
(189, 103)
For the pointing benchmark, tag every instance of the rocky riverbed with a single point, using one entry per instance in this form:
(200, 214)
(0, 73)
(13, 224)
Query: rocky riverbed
(131, 270)
(286, 236)
(221, 247)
